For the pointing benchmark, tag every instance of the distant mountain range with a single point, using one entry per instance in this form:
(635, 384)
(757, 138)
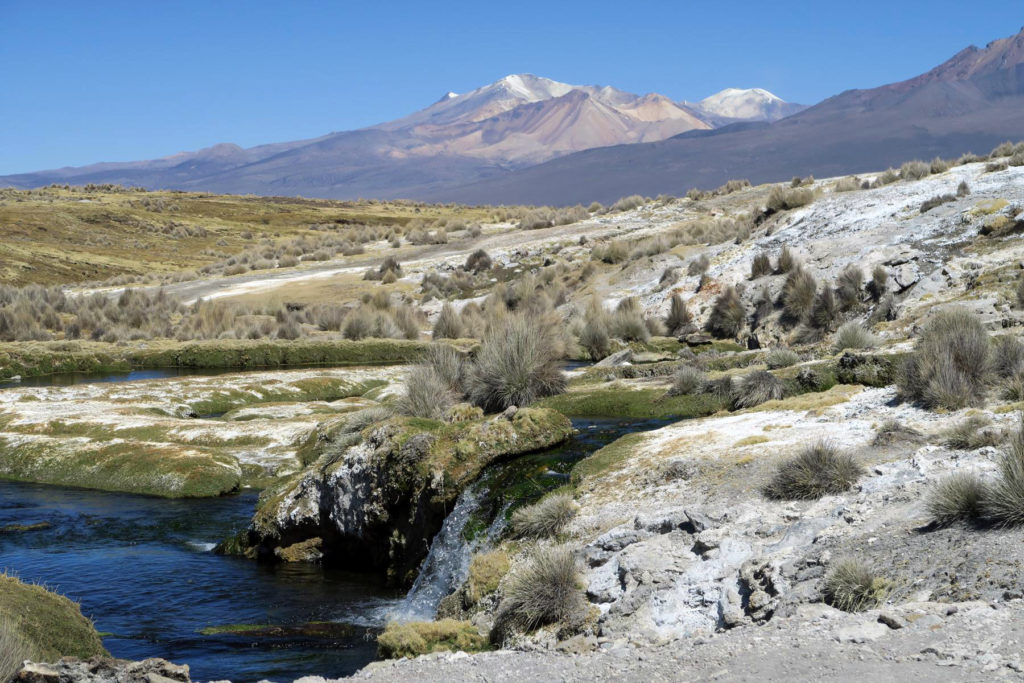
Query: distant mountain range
(518, 121)
(972, 102)
(526, 139)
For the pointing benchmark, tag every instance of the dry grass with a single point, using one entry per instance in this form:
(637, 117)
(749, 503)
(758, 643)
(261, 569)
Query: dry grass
(820, 469)
(545, 518)
(853, 587)
(545, 590)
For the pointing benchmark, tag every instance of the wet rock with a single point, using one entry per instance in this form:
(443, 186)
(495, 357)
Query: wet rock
(303, 551)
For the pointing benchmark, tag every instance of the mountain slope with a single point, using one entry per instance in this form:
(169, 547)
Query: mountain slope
(517, 121)
(973, 101)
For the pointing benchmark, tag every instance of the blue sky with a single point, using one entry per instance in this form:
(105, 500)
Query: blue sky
(109, 81)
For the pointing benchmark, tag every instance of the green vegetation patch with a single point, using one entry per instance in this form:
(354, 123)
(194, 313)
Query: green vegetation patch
(48, 625)
(618, 401)
(608, 459)
(422, 637)
(163, 470)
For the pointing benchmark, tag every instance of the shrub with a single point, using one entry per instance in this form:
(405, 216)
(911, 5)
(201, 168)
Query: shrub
(798, 293)
(848, 287)
(963, 189)
(414, 638)
(627, 203)
(687, 380)
(477, 261)
(760, 266)
(698, 265)
(819, 469)
(669, 276)
(950, 363)
(959, 497)
(972, 433)
(852, 587)
(678, 319)
(545, 591)
(786, 261)
(755, 388)
(727, 316)
(518, 363)
(824, 310)
(426, 394)
(655, 327)
(915, 170)
(781, 358)
(852, 335)
(937, 200)
(544, 518)
(1020, 293)
(1017, 159)
(615, 251)
(1004, 501)
(448, 325)
(996, 166)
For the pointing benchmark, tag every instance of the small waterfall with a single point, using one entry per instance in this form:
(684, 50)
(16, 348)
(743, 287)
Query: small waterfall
(447, 562)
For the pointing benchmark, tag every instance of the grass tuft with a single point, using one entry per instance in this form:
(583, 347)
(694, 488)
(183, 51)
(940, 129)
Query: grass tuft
(819, 469)
(544, 518)
(853, 587)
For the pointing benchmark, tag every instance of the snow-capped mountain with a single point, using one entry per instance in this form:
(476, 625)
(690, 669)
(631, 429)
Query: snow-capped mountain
(751, 104)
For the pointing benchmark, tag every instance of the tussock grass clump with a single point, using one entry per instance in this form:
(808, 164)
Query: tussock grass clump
(892, 432)
(950, 364)
(760, 266)
(1007, 356)
(959, 497)
(518, 363)
(915, 170)
(786, 261)
(972, 433)
(679, 318)
(849, 286)
(544, 518)
(824, 310)
(627, 322)
(755, 388)
(545, 591)
(698, 266)
(847, 184)
(879, 282)
(1004, 501)
(595, 339)
(938, 200)
(781, 358)
(687, 380)
(14, 650)
(426, 394)
(798, 292)
(939, 165)
(852, 335)
(783, 199)
(820, 469)
(449, 324)
(963, 189)
(853, 587)
(478, 261)
(727, 316)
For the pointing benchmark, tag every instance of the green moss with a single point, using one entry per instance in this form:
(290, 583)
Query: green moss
(22, 528)
(618, 401)
(162, 470)
(313, 629)
(51, 625)
(422, 637)
(609, 458)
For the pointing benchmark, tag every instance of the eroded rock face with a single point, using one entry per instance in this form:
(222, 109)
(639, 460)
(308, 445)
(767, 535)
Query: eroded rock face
(379, 504)
(104, 670)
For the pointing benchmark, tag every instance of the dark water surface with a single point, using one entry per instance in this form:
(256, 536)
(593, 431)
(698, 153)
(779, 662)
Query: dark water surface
(142, 570)
(67, 379)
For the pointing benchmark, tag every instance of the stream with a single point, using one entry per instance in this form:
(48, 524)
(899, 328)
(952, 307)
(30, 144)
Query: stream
(143, 570)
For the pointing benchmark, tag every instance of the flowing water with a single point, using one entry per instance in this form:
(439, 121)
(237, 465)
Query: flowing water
(67, 379)
(143, 571)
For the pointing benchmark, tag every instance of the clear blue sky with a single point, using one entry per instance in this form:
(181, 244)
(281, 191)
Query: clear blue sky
(109, 81)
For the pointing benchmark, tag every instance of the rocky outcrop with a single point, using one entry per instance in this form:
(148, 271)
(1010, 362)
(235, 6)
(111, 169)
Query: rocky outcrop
(378, 504)
(103, 670)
